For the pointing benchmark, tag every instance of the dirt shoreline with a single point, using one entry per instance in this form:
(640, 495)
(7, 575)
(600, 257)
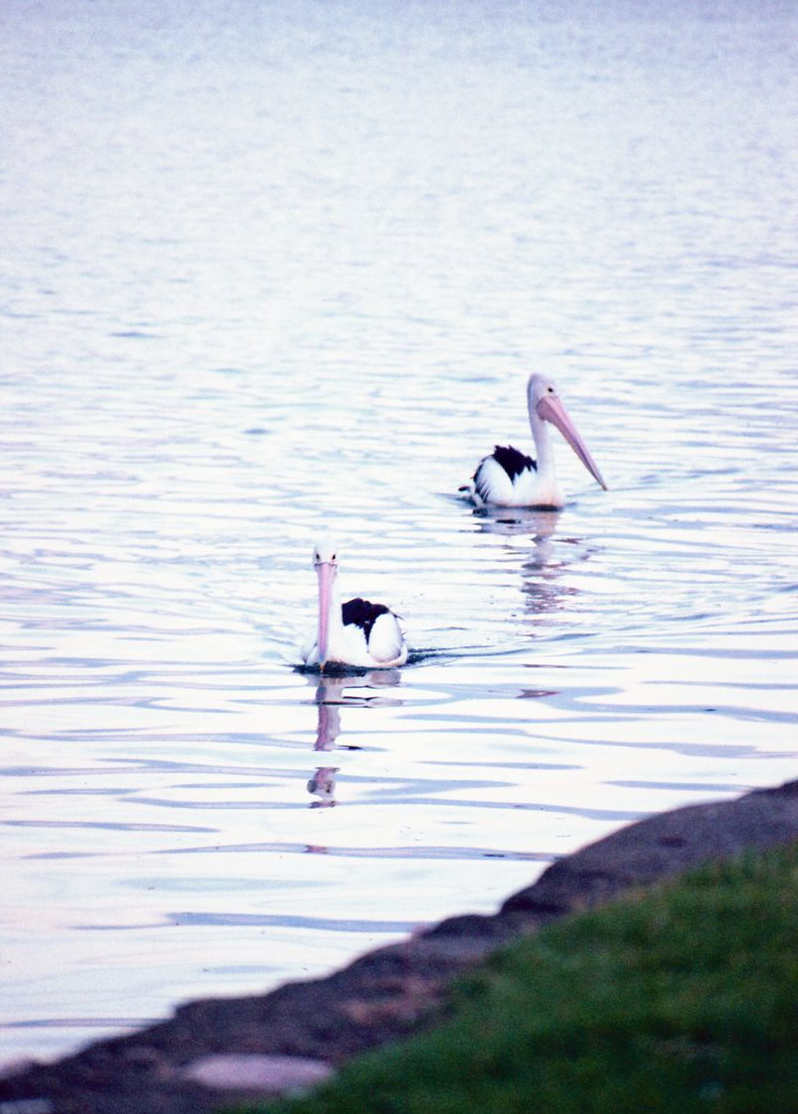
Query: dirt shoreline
(383, 995)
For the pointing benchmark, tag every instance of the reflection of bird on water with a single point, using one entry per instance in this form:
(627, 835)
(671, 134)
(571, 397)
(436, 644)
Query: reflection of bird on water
(539, 525)
(329, 700)
(542, 571)
(328, 725)
(358, 633)
(509, 478)
(544, 564)
(322, 785)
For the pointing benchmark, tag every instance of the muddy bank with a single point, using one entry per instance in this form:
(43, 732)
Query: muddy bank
(299, 1028)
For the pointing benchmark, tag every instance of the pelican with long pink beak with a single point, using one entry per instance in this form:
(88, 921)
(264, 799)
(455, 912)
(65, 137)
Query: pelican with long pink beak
(509, 478)
(357, 633)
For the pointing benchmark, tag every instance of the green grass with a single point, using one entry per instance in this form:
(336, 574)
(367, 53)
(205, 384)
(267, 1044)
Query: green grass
(681, 1000)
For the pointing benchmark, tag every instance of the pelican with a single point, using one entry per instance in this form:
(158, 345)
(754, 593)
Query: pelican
(509, 478)
(359, 633)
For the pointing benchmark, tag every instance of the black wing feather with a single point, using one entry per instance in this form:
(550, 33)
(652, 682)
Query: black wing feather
(363, 614)
(513, 461)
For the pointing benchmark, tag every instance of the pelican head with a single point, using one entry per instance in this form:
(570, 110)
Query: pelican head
(544, 405)
(324, 553)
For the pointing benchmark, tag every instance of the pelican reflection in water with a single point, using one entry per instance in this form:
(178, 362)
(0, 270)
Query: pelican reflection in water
(330, 699)
(545, 564)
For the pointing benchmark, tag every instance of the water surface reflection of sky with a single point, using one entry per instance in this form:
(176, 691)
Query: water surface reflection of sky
(273, 270)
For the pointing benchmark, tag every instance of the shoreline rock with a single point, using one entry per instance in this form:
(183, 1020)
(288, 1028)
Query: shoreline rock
(296, 1033)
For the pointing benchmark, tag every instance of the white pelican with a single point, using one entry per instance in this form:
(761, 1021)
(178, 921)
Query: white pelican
(509, 478)
(359, 633)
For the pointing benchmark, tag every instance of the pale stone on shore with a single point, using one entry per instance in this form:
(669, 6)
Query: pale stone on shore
(271, 1074)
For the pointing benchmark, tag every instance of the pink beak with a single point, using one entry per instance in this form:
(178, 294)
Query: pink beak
(552, 410)
(326, 575)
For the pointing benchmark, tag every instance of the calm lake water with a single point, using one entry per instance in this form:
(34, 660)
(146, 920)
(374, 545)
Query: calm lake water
(272, 267)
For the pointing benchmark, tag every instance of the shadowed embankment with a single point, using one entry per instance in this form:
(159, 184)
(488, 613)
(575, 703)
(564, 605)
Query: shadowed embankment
(390, 993)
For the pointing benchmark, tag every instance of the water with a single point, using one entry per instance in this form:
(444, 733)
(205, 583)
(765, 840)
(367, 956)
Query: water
(274, 267)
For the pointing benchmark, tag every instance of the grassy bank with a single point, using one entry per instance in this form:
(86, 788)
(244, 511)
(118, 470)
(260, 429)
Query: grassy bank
(683, 1000)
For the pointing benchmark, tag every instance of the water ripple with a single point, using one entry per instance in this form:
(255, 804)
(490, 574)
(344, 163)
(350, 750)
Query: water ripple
(201, 383)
